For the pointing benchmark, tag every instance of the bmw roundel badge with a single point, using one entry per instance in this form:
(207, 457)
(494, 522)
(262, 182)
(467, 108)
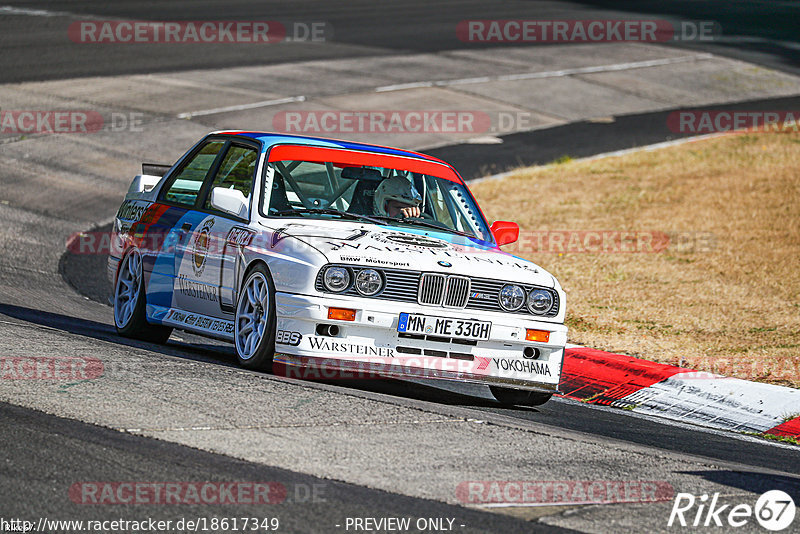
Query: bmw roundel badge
(445, 264)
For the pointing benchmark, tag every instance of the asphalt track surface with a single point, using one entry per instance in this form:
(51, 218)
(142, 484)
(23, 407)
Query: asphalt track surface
(66, 450)
(37, 48)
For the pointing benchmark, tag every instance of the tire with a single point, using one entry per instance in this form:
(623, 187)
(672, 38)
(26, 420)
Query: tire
(254, 324)
(518, 397)
(130, 303)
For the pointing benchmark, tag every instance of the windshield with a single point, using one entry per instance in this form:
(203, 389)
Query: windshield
(379, 195)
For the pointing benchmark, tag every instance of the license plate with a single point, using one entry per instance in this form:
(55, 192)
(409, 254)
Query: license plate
(411, 323)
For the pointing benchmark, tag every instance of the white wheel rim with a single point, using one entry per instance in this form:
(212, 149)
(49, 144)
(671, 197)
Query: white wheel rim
(126, 294)
(252, 314)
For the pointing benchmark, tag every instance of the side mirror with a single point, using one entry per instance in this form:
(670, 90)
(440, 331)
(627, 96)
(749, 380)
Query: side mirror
(230, 201)
(505, 232)
(143, 183)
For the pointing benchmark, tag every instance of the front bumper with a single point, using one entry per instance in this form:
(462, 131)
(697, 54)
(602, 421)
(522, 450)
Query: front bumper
(371, 344)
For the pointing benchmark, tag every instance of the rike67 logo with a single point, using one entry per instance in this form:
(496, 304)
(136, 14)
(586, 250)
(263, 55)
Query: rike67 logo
(774, 510)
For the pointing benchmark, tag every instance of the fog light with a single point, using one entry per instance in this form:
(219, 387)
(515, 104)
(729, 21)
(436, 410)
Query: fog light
(341, 314)
(541, 336)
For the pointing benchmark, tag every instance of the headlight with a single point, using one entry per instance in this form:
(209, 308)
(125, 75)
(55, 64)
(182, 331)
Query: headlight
(368, 282)
(540, 301)
(511, 298)
(336, 279)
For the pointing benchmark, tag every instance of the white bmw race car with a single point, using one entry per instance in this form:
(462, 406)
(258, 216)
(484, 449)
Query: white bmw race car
(346, 256)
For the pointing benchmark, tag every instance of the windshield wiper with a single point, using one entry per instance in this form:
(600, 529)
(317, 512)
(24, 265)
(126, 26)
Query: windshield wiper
(328, 211)
(413, 221)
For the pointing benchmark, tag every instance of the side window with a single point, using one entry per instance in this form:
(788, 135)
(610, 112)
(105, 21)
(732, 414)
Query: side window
(438, 204)
(236, 172)
(186, 185)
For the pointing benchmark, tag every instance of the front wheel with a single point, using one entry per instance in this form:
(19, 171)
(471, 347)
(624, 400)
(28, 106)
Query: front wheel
(519, 397)
(130, 302)
(254, 327)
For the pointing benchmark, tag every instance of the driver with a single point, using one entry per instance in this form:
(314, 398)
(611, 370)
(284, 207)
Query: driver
(397, 197)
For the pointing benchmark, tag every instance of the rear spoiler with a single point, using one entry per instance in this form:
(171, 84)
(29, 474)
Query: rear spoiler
(155, 169)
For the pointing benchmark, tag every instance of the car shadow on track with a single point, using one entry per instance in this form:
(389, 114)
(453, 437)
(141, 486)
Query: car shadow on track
(752, 481)
(201, 349)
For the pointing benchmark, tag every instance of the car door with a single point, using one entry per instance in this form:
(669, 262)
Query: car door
(208, 270)
(176, 216)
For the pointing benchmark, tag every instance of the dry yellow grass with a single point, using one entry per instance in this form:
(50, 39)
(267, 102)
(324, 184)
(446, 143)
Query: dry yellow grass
(723, 297)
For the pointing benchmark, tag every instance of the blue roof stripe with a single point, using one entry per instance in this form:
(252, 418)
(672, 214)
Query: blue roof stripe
(272, 139)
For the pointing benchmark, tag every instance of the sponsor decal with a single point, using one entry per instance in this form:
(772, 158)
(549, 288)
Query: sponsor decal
(132, 210)
(200, 322)
(201, 246)
(483, 363)
(522, 366)
(330, 345)
(196, 289)
(375, 261)
(278, 236)
(413, 240)
(286, 337)
(283, 233)
(240, 237)
(440, 249)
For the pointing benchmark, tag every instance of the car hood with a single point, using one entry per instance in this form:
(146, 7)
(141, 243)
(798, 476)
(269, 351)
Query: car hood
(418, 249)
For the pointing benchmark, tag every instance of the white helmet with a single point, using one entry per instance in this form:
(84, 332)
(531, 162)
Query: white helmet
(395, 188)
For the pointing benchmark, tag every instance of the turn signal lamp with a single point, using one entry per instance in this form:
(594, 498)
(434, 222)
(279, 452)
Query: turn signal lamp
(341, 314)
(542, 336)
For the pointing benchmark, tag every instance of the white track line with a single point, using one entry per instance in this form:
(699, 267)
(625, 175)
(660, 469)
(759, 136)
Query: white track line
(11, 10)
(240, 107)
(547, 74)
